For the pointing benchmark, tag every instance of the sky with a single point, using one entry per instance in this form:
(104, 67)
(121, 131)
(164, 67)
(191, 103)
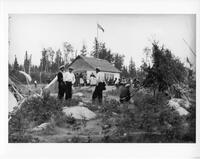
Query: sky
(127, 34)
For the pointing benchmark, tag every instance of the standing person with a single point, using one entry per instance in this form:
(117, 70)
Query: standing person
(69, 80)
(92, 80)
(35, 83)
(115, 81)
(118, 82)
(100, 86)
(76, 79)
(88, 82)
(84, 80)
(81, 80)
(61, 84)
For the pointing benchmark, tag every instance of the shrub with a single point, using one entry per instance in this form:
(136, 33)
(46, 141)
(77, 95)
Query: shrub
(62, 120)
(22, 138)
(151, 116)
(36, 110)
(191, 119)
(109, 107)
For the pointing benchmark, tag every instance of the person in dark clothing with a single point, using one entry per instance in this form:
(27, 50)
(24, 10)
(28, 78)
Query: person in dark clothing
(114, 82)
(61, 84)
(100, 86)
(125, 95)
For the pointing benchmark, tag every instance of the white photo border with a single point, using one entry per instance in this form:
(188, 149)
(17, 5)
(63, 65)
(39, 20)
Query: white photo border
(132, 150)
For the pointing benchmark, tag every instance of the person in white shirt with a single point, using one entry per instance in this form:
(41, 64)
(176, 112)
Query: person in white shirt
(35, 82)
(100, 86)
(69, 79)
(92, 80)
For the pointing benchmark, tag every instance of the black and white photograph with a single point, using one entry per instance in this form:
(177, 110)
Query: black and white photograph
(102, 78)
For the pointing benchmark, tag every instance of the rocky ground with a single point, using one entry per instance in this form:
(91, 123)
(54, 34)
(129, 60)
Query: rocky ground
(143, 121)
(83, 131)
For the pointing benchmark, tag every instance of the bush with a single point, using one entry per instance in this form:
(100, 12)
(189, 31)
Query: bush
(62, 120)
(35, 111)
(22, 138)
(191, 119)
(109, 107)
(158, 116)
(39, 110)
(152, 118)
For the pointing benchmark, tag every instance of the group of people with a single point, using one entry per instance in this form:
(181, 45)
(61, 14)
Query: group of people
(65, 82)
(67, 79)
(82, 80)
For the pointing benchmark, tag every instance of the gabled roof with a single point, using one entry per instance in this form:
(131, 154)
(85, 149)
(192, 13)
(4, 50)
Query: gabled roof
(95, 62)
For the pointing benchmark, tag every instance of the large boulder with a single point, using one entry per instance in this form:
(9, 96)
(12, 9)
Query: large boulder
(79, 112)
(180, 105)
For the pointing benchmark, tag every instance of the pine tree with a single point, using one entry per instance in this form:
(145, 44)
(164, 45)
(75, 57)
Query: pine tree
(44, 60)
(132, 69)
(58, 60)
(125, 71)
(165, 71)
(95, 52)
(16, 65)
(83, 50)
(100, 51)
(51, 54)
(104, 53)
(118, 61)
(26, 63)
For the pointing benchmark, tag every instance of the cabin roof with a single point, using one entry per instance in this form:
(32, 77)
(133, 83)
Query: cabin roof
(92, 63)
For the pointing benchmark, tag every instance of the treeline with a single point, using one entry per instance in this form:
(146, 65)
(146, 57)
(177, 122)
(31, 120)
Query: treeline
(159, 70)
(51, 60)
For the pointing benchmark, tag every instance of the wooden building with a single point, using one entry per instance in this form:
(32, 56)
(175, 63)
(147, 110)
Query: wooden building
(87, 65)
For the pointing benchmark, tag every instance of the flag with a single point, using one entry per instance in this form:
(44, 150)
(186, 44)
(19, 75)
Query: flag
(100, 27)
